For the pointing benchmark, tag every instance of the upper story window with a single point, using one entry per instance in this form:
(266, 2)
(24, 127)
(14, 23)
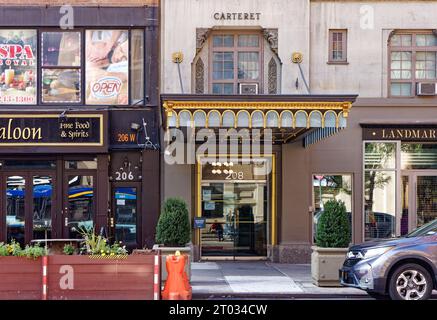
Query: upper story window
(93, 67)
(236, 63)
(337, 46)
(412, 60)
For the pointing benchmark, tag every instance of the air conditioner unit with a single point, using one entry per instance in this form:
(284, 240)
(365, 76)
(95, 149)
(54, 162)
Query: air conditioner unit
(426, 89)
(248, 88)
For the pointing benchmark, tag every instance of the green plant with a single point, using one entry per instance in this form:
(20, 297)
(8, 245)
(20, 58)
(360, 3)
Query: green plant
(98, 245)
(3, 249)
(173, 227)
(94, 244)
(68, 249)
(14, 249)
(333, 228)
(34, 251)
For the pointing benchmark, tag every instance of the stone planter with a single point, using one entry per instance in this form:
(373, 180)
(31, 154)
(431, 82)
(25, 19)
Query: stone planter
(325, 263)
(166, 251)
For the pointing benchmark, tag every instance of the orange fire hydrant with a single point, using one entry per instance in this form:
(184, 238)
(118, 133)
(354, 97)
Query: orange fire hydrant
(177, 286)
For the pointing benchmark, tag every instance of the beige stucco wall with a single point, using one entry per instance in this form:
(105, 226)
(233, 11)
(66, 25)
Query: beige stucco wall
(180, 18)
(366, 73)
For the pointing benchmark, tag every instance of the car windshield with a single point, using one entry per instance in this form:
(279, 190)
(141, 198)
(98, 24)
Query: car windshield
(427, 229)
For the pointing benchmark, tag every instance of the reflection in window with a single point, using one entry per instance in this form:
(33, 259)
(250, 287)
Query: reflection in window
(61, 62)
(379, 155)
(80, 204)
(42, 207)
(15, 208)
(126, 215)
(78, 164)
(137, 67)
(235, 59)
(61, 49)
(379, 204)
(418, 156)
(331, 187)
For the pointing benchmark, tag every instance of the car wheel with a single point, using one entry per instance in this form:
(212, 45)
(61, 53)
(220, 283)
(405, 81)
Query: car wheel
(377, 296)
(410, 282)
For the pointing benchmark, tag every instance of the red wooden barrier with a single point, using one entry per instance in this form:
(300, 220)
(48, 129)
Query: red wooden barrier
(79, 277)
(20, 278)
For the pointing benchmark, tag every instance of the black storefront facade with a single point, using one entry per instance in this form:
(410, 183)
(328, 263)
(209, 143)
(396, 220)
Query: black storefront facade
(78, 123)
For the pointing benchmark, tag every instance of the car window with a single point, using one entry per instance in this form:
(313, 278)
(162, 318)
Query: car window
(425, 230)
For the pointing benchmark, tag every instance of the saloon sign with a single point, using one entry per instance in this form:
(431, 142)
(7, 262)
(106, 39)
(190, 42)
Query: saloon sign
(51, 130)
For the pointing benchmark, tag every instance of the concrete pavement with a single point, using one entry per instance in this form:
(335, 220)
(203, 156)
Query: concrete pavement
(260, 279)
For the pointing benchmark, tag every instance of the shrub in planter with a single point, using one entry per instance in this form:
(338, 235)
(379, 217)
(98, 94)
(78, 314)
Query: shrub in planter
(173, 227)
(332, 240)
(333, 229)
(173, 232)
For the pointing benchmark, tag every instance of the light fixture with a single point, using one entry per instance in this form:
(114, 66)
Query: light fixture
(218, 171)
(214, 164)
(135, 126)
(225, 171)
(213, 171)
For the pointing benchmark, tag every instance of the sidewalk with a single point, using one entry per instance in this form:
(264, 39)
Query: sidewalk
(260, 279)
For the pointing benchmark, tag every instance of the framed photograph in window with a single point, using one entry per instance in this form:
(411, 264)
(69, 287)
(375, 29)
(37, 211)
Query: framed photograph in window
(107, 67)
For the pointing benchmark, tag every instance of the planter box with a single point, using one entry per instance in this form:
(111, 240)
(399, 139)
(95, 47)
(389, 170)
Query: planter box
(20, 278)
(166, 251)
(325, 263)
(79, 278)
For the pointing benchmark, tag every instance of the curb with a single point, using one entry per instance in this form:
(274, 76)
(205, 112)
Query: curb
(236, 295)
(287, 296)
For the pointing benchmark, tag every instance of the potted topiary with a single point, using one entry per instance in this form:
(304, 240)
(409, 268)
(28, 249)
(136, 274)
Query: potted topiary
(173, 232)
(332, 241)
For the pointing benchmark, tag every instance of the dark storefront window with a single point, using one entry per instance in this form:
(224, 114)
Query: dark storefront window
(93, 67)
(15, 208)
(18, 66)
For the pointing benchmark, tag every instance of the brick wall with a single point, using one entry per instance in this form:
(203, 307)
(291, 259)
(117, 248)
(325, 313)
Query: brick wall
(115, 3)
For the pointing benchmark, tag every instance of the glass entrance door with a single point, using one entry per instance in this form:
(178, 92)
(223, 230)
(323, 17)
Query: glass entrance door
(236, 219)
(79, 204)
(125, 214)
(426, 199)
(418, 199)
(29, 211)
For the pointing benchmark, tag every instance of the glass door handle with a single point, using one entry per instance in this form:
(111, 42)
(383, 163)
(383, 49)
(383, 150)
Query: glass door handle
(66, 221)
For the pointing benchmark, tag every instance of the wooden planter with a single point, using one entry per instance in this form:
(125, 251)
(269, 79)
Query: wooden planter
(78, 278)
(85, 277)
(20, 278)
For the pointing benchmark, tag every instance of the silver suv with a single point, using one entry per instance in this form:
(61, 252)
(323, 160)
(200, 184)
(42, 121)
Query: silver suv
(403, 268)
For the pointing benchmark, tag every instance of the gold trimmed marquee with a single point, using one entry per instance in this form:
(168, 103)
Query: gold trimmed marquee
(231, 114)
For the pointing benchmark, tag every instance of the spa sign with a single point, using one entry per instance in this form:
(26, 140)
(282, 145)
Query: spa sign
(51, 130)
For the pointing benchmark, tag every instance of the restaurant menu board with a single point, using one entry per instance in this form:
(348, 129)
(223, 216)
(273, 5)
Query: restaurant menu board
(18, 66)
(107, 64)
